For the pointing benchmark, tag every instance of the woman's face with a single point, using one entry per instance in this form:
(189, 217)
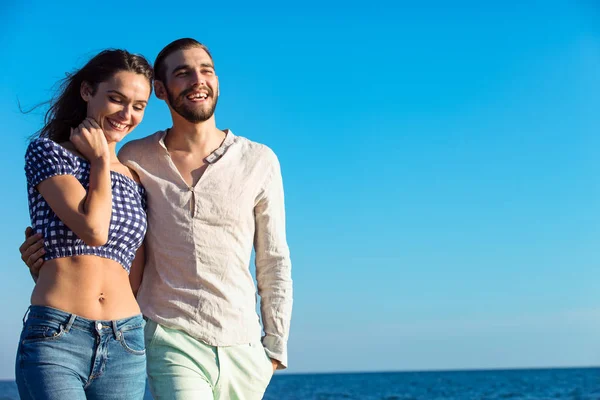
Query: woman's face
(118, 104)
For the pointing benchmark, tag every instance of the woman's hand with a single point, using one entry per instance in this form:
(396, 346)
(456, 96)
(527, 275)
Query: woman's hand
(88, 138)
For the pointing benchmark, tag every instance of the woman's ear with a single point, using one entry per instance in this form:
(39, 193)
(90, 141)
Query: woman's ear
(86, 91)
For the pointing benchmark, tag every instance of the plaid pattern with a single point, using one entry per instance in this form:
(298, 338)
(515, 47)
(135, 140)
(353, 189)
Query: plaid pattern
(44, 159)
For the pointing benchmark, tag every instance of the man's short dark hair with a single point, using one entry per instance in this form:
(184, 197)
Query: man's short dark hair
(179, 44)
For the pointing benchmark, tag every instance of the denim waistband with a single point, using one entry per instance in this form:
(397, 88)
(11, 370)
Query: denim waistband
(69, 320)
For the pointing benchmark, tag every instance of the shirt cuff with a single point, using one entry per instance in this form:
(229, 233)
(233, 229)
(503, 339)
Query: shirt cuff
(276, 349)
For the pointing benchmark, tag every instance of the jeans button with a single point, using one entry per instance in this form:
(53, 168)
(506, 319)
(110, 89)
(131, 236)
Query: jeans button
(99, 326)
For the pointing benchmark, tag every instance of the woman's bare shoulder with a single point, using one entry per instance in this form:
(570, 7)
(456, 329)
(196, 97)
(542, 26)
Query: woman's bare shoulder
(124, 170)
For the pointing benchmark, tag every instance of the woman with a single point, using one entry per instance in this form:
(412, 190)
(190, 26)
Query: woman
(83, 334)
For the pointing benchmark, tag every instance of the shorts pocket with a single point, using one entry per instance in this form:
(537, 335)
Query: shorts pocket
(264, 360)
(270, 371)
(150, 332)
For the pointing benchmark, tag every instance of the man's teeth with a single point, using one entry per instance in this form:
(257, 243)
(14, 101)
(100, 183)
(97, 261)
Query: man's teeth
(197, 96)
(117, 125)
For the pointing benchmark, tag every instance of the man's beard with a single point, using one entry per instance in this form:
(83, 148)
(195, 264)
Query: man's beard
(193, 115)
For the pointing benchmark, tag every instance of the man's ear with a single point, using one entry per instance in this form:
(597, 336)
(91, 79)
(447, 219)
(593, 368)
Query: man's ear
(86, 91)
(159, 90)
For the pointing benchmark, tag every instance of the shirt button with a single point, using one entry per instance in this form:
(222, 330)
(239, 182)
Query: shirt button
(99, 326)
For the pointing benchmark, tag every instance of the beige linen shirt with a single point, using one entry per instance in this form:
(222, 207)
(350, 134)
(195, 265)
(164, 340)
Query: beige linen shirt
(199, 243)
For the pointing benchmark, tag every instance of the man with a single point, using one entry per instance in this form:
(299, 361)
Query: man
(211, 197)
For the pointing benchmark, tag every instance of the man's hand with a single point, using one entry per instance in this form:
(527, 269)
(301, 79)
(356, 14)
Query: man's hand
(275, 364)
(32, 252)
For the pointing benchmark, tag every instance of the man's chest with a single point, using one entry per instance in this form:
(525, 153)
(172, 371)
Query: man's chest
(190, 168)
(221, 196)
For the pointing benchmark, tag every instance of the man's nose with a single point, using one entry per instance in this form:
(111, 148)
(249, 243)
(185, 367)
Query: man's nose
(198, 79)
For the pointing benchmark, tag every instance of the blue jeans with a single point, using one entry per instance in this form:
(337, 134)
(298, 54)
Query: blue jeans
(63, 356)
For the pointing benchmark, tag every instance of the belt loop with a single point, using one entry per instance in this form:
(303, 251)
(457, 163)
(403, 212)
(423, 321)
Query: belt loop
(115, 330)
(26, 315)
(70, 323)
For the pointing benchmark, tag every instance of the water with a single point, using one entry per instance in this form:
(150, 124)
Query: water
(534, 384)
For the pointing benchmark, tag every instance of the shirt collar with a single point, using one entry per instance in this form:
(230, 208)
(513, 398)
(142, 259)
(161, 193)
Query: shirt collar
(216, 154)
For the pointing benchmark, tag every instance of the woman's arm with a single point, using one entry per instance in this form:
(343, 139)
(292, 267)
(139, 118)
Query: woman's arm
(87, 214)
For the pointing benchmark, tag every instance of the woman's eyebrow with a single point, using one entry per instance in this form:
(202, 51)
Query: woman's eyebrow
(125, 97)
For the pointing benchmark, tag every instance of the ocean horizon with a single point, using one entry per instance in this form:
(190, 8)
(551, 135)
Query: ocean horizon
(577, 383)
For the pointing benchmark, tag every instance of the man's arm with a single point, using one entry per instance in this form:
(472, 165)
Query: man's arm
(32, 252)
(137, 269)
(273, 266)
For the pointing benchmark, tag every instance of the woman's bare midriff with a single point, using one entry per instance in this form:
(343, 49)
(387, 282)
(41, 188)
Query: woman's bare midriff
(92, 287)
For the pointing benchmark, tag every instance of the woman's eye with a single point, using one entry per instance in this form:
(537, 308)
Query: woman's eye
(115, 99)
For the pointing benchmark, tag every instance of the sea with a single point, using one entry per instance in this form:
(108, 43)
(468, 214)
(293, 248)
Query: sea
(527, 384)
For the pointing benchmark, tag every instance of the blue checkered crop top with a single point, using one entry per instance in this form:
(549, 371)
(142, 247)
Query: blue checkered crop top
(44, 159)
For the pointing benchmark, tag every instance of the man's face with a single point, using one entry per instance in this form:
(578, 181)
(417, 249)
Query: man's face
(192, 87)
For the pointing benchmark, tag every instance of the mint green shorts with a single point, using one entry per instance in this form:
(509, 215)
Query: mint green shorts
(180, 367)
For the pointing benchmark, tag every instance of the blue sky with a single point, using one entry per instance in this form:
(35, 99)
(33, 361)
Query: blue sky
(440, 165)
